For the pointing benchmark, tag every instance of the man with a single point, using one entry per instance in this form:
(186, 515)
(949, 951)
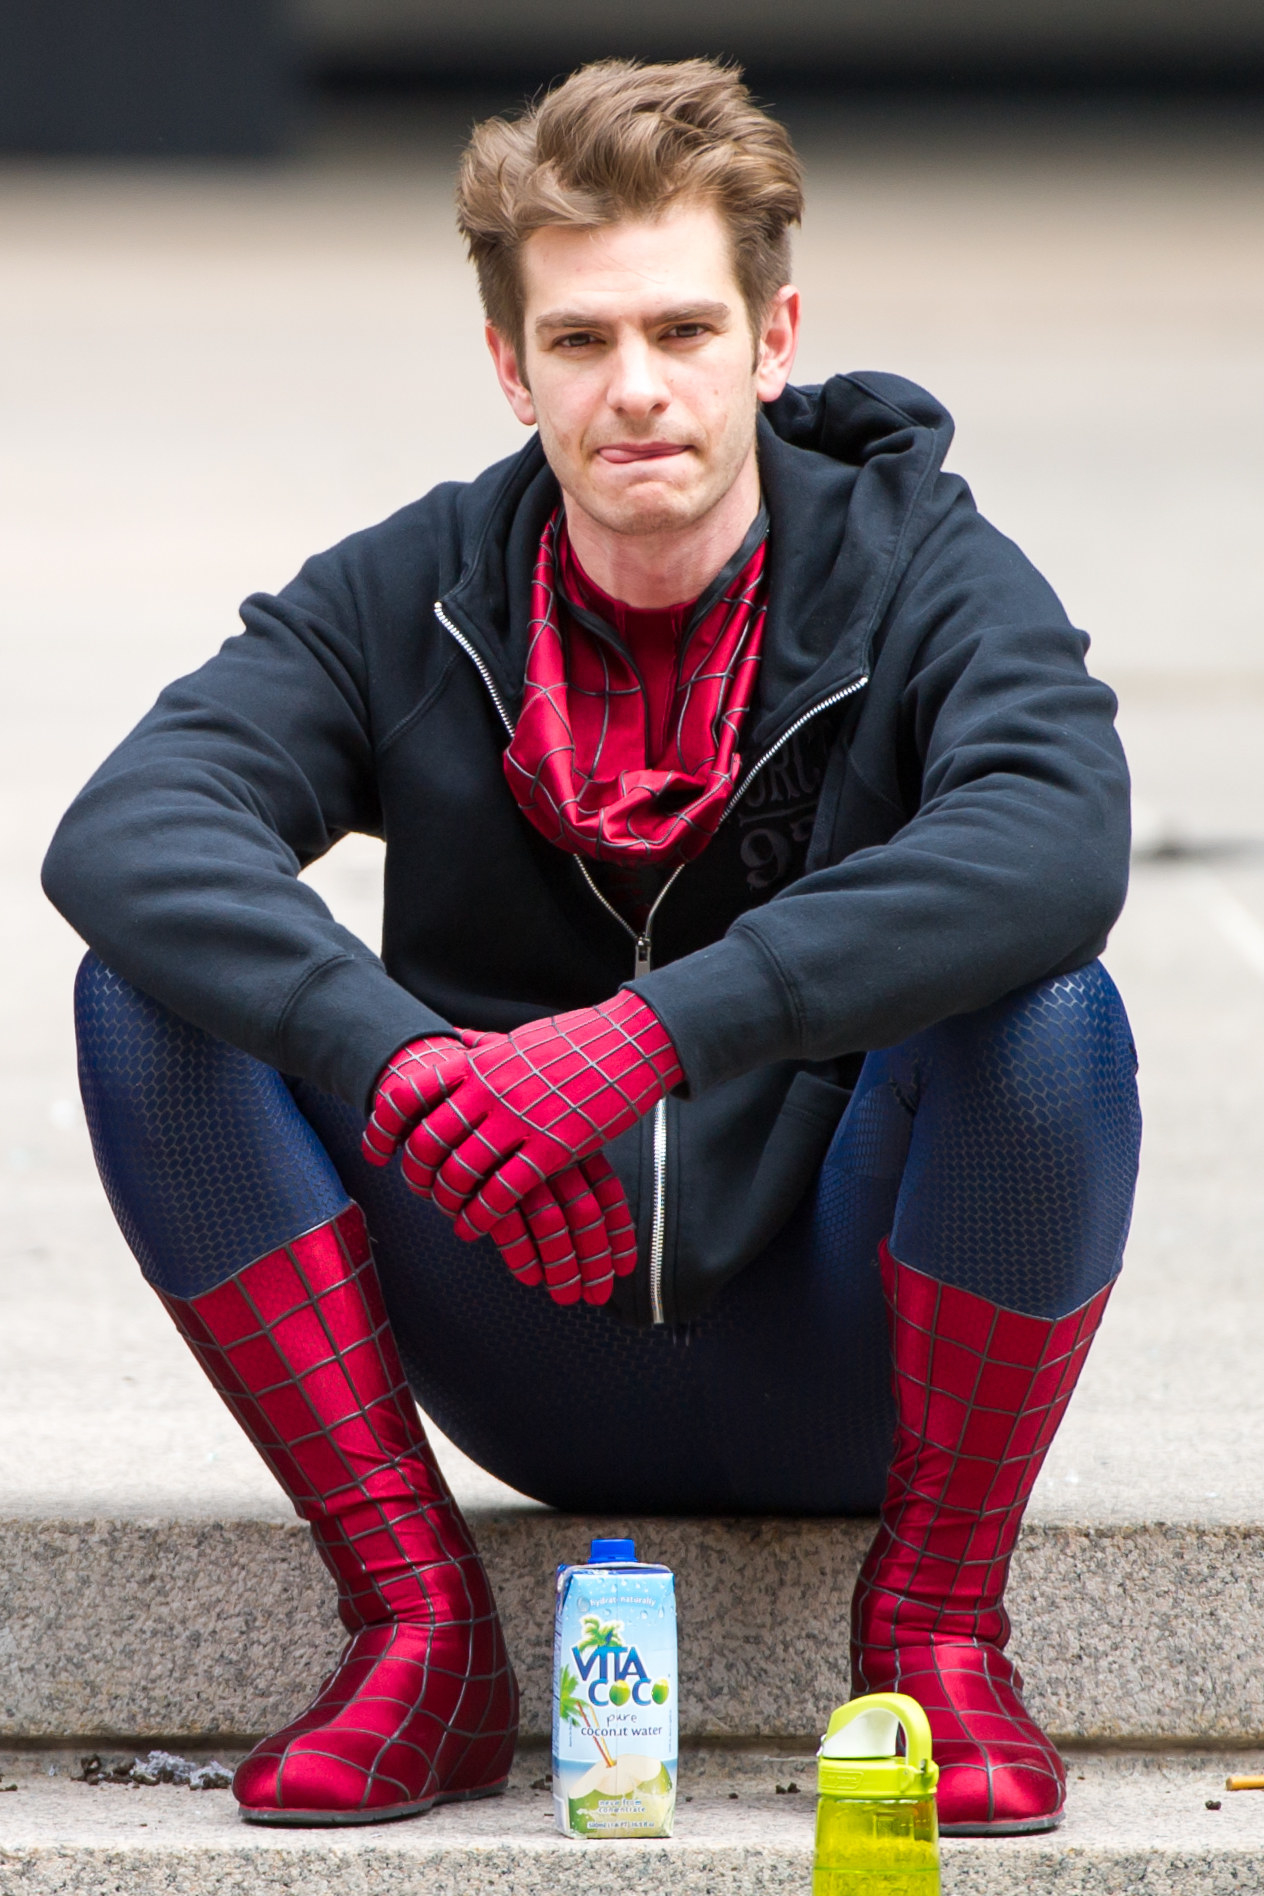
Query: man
(752, 830)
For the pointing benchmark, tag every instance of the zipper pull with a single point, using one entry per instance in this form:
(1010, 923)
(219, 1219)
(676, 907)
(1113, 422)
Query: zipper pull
(642, 965)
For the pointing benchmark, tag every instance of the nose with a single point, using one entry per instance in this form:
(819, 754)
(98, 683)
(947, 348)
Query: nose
(636, 387)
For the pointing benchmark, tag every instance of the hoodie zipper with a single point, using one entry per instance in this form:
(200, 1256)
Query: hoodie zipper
(482, 669)
(643, 957)
(804, 717)
(643, 961)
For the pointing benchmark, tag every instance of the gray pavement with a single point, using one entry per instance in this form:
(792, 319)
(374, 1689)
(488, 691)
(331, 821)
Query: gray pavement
(206, 375)
(1133, 1822)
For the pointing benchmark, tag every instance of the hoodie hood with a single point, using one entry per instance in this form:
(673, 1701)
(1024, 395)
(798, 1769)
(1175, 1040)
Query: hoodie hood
(864, 450)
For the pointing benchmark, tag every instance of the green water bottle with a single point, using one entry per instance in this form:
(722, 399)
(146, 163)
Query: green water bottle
(876, 1832)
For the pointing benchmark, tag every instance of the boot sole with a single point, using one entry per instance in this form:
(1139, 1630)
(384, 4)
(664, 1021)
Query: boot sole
(329, 1819)
(1021, 1827)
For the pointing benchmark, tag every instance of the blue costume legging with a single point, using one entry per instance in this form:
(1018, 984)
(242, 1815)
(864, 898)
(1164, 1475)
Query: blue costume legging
(997, 1149)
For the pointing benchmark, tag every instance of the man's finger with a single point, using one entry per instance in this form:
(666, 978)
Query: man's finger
(407, 1089)
(517, 1246)
(551, 1232)
(429, 1146)
(511, 1181)
(588, 1234)
(464, 1172)
(612, 1200)
(440, 1134)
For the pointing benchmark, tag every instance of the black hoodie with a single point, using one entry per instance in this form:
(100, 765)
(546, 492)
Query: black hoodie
(967, 827)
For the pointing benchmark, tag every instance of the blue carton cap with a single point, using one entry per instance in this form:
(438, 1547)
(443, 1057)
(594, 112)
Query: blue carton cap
(612, 1550)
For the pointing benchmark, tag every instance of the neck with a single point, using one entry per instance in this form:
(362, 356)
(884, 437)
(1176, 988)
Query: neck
(653, 570)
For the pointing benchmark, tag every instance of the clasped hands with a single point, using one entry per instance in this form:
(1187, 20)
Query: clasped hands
(503, 1132)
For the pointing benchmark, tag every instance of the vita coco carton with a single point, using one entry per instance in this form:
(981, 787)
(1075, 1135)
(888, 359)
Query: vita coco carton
(614, 1696)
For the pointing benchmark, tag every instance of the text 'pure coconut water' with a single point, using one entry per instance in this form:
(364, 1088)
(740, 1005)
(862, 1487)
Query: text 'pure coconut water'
(614, 1696)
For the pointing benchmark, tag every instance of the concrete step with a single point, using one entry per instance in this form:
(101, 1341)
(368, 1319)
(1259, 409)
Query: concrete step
(153, 1581)
(1134, 1822)
(214, 1627)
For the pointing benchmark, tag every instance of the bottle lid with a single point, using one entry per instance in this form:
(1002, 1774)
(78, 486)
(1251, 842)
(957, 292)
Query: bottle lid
(603, 1550)
(858, 1758)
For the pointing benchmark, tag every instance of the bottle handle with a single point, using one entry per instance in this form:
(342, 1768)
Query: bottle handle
(898, 1705)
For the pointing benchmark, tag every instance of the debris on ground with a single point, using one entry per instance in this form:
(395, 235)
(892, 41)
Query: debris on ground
(160, 1767)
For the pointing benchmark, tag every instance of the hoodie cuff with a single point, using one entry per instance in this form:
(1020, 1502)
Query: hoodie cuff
(345, 1022)
(727, 1008)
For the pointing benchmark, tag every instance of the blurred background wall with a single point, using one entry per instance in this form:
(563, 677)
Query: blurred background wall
(963, 39)
(187, 78)
(229, 77)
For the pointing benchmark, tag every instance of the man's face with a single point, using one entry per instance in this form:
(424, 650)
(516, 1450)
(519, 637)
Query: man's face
(639, 367)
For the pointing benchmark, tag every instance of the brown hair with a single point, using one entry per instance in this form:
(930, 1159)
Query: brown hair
(618, 139)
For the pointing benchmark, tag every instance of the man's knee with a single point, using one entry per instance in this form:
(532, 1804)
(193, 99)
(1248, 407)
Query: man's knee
(203, 1153)
(1024, 1156)
(138, 1062)
(124, 1056)
(1051, 1068)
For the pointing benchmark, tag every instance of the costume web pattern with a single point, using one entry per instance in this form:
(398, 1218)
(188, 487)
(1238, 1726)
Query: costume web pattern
(980, 1392)
(572, 1232)
(778, 1399)
(580, 763)
(524, 1105)
(422, 1706)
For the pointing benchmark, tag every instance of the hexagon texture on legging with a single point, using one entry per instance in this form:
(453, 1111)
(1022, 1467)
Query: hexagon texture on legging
(1001, 1146)
(1021, 1169)
(205, 1159)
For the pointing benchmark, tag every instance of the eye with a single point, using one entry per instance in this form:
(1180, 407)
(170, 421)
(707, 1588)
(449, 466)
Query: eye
(576, 339)
(688, 332)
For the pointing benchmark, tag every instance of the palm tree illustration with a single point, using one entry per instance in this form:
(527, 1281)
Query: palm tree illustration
(598, 1635)
(572, 1709)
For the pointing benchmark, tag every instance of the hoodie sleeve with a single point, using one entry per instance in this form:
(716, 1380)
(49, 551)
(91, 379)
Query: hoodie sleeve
(1006, 804)
(179, 861)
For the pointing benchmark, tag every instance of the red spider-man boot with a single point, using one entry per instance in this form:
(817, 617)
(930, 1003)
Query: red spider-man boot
(980, 1392)
(422, 1707)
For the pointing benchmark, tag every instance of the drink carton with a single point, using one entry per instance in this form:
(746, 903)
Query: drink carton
(614, 1696)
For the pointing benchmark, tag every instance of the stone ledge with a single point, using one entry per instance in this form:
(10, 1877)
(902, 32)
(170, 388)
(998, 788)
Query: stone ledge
(1132, 1823)
(218, 1627)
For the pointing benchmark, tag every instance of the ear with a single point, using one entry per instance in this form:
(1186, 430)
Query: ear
(778, 343)
(517, 394)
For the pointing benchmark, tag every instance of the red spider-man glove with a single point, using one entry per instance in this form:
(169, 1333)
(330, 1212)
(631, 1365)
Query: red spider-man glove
(398, 1101)
(574, 1234)
(529, 1103)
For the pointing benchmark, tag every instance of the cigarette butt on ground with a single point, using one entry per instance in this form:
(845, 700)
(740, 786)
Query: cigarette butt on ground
(1244, 1784)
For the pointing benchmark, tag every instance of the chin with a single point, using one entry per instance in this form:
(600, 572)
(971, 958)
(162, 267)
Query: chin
(647, 513)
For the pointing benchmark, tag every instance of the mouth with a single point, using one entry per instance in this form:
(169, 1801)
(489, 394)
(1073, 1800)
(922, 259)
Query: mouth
(626, 453)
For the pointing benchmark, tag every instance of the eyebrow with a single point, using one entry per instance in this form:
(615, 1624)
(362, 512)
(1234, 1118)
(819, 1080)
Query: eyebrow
(687, 313)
